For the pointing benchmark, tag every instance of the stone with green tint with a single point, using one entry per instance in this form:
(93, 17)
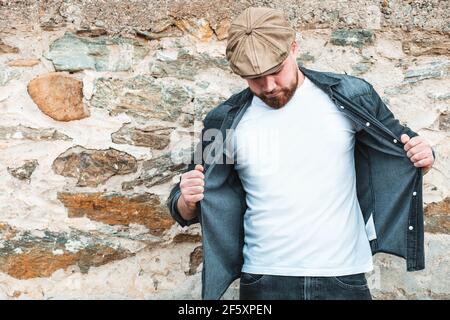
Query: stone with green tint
(305, 58)
(8, 75)
(362, 66)
(104, 53)
(352, 37)
(432, 70)
(186, 65)
(141, 97)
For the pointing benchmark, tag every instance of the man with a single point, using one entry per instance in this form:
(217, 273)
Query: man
(300, 218)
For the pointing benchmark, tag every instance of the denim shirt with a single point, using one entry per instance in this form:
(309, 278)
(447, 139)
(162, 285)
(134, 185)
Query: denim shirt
(389, 186)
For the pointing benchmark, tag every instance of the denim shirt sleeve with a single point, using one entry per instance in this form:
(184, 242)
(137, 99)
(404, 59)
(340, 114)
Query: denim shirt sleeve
(172, 205)
(384, 115)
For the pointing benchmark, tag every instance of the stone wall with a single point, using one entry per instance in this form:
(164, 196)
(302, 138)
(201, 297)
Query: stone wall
(100, 102)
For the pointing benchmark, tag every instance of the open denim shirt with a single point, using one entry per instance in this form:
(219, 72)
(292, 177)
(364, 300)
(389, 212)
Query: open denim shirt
(389, 186)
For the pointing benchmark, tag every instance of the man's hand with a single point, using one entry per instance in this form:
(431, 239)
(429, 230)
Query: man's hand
(419, 152)
(192, 186)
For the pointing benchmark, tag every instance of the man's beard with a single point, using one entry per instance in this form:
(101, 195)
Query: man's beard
(283, 96)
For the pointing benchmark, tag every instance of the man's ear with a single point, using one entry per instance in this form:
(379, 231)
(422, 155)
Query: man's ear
(294, 48)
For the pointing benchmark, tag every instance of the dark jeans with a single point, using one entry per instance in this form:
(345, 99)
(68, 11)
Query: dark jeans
(271, 287)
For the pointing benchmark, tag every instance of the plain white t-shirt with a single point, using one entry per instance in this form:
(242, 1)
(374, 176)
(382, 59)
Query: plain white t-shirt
(297, 167)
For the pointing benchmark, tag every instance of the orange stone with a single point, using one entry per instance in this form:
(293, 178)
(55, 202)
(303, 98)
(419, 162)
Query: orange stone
(437, 216)
(199, 28)
(195, 259)
(116, 209)
(185, 237)
(5, 49)
(41, 262)
(23, 62)
(222, 29)
(7, 231)
(438, 208)
(59, 96)
(24, 256)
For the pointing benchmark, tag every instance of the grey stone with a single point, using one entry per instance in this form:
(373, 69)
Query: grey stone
(362, 66)
(204, 103)
(433, 70)
(93, 167)
(74, 53)
(439, 96)
(21, 132)
(7, 75)
(141, 97)
(353, 37)
(401, 89)
(25, 171)
(155, 171)
(304, 58)
(94, 32)
(444, 121)
(202, 84)
(172, 32)
(155, 137)
(186, 120)
(186, 66)
(195, 259)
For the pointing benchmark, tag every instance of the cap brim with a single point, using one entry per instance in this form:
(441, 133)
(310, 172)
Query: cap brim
(267, 72)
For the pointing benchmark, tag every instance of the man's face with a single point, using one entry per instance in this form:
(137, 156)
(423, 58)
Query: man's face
(276, 89)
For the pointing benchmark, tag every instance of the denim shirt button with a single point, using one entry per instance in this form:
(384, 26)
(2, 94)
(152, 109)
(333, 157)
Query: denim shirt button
(414, 193)
(367, 123)
(395, 140)
(342, 107)
(411, 228)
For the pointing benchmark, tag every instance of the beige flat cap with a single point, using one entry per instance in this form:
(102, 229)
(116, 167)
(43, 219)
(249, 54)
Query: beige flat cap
(259, 40)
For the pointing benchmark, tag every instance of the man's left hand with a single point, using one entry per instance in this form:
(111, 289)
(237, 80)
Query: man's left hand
(419, 152)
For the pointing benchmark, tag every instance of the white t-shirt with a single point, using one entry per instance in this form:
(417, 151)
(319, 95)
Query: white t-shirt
(297, 167)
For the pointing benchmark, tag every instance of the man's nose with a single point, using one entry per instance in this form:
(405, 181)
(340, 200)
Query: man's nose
(268, 84)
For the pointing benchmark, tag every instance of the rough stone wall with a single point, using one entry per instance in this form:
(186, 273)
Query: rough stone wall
(100, 102)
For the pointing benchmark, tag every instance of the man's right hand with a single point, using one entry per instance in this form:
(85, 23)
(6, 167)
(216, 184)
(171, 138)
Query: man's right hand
(192, 186)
